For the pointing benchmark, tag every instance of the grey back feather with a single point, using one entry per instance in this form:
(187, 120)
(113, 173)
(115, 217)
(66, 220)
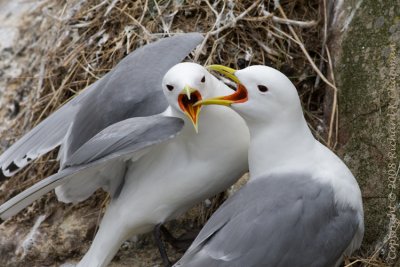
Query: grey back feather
(118, 142)
(124, 135)
(131, 89)
(281, 221)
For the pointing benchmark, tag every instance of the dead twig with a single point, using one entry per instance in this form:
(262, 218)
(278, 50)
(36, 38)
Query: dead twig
(301, 45)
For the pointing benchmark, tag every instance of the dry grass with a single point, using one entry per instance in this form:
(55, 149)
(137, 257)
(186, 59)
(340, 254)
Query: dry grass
(71, 44)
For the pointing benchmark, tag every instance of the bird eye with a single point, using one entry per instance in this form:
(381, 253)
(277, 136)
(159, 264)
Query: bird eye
(262, 88)
(170, 87)
(203, 79)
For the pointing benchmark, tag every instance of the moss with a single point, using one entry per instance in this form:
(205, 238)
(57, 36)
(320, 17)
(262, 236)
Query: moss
(363, 77)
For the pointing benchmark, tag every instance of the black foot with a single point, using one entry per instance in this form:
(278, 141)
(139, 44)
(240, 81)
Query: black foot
(181, 243)
(161, 246)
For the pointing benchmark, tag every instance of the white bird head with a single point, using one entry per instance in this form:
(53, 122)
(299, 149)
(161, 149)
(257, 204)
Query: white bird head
(263, 95)
(184, 85)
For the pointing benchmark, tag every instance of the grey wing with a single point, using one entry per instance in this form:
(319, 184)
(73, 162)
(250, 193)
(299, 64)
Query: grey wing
(277, 221)
(106, 152)
(124, 135)
(131, 89)
(40, 140)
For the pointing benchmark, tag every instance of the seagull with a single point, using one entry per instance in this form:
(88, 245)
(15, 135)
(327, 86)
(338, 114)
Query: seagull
(144, 142)
(301, 207)
(131, 89)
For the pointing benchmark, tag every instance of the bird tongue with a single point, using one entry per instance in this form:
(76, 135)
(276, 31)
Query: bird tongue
(187, 106)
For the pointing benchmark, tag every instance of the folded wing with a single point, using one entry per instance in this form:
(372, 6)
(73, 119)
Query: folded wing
(281, 221)
(131, 89)
(90, 166)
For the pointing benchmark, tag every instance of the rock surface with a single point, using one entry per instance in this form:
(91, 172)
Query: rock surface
(367, 66)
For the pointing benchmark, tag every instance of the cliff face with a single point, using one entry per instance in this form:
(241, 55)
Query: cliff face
(47, 48)
(367, 65)
(12, 17)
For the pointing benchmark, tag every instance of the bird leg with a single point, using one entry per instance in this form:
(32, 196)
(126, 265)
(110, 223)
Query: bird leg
(181, 243)
(161, 246)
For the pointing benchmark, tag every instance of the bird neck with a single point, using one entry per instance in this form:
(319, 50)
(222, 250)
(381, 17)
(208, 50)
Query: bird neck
(281, 144)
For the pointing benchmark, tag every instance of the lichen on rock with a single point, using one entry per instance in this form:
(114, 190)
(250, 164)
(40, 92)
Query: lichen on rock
(368, 75)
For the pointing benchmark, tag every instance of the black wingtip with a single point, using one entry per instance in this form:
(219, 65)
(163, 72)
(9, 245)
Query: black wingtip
(1, 220)
(12, 167)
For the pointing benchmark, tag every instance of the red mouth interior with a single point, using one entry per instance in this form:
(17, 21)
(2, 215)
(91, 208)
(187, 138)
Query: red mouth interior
(239, 96)
(186, 104)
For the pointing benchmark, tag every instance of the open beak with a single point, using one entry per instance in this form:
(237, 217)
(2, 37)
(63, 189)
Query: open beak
(186, 99)
(239, 96)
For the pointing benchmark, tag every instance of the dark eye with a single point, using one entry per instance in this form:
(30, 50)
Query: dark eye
(170, 87)
(262, 88)
(203, 79)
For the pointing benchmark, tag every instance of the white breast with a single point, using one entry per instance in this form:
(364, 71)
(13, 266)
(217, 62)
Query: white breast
(191, 167)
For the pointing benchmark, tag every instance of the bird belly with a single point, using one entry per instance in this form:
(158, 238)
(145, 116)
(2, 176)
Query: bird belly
(177, 174)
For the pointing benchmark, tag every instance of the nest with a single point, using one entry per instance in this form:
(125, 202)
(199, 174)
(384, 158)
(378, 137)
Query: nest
(67, 45)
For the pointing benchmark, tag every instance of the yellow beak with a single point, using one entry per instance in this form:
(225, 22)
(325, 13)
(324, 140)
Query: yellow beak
(226, 71)
(188, 91)
(239, 96)
(186, 100)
